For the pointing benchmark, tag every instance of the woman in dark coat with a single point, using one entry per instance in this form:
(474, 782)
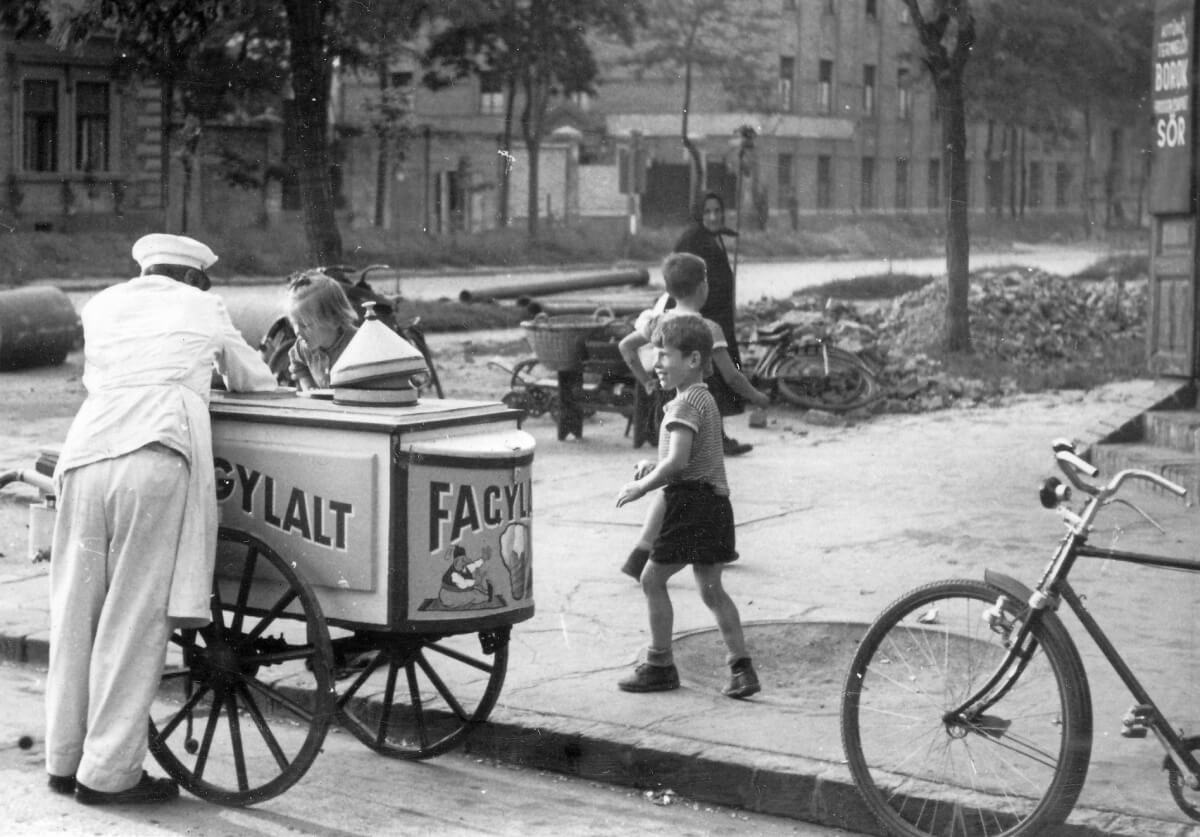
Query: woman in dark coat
(703, 239)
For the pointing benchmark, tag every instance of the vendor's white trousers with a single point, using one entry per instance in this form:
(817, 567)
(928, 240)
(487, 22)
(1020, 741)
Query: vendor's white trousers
(110, 577)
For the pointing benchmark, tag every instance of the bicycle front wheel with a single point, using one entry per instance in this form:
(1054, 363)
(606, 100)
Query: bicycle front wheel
(1011, 766)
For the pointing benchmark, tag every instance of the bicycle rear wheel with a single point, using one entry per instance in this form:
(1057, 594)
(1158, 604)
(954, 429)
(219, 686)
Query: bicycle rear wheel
(833, 380)
(1014, 768)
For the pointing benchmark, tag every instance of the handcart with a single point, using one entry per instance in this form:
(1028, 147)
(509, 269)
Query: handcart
(371, 563)
(589, 375)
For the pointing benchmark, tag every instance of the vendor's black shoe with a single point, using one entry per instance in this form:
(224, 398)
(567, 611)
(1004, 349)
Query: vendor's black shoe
(148, 790)
(733, 447)
(61, 784)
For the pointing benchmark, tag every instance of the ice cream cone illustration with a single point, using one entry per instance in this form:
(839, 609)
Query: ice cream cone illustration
(514, 552)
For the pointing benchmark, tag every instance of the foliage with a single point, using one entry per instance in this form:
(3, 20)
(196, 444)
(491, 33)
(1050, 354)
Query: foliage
(1021, 77)
(539, 47)
(731, 42)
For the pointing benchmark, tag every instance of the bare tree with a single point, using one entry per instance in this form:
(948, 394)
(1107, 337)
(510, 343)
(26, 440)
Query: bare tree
(712, 38)
(947, 34)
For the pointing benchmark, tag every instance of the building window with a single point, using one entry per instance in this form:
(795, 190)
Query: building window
(1062, 185)
(491, 94)
(902, 183)
(935, 184)
(1035, 184)
(824, 182)
(868, 100)
(582, 100)
(91, 126)
(904, 94)
(867, 184)
(40, 126)
(872, 8)
(786, 162)
(825, 87)
(787, 73)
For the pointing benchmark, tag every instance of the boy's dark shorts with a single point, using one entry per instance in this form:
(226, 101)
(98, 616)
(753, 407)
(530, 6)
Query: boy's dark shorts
(697, 526)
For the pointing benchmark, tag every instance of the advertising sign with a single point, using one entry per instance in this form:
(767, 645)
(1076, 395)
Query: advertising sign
(470, 551)
(1172, 97)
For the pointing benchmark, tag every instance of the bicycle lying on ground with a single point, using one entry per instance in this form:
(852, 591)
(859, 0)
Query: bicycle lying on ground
(967, 709)
(809, 371)
(280, 336)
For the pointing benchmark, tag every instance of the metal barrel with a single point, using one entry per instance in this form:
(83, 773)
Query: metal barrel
(38, 327)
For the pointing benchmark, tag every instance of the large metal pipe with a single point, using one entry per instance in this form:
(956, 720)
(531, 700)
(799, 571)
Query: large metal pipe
(622, 307)
(38, 327)
(609, 279)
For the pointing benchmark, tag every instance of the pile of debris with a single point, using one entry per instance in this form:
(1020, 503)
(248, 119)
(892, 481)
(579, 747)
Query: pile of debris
(1019, 318)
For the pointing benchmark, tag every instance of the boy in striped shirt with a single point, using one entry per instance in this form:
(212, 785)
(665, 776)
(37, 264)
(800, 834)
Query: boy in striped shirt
(697, 526)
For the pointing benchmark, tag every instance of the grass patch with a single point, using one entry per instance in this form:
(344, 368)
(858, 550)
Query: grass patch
(880, 286)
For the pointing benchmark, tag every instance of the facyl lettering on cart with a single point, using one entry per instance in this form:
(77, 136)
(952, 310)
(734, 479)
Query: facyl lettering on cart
(457, 510)
(314, 518)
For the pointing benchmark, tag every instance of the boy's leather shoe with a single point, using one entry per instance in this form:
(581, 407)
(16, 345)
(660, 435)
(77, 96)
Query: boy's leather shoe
(648, 678)
(148, 790)
(743, 681)
(733, 447)
(61, 784)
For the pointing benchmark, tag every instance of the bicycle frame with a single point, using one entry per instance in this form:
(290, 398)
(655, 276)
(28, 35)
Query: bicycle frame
(1054, 587)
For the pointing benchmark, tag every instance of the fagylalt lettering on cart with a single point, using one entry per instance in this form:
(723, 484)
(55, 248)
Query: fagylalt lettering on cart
(314, 518)
(457, 510)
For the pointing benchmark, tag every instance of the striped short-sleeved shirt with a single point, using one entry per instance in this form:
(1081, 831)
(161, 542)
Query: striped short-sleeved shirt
(696, 409)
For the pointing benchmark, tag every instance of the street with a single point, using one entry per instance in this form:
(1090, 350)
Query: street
(349, 790)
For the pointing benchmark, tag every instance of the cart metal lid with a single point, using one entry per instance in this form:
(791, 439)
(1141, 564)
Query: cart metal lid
(494, 444)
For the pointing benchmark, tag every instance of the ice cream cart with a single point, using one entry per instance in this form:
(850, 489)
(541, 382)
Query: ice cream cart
(371, 563)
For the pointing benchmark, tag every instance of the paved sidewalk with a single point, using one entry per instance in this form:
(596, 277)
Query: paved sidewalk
(834, 522)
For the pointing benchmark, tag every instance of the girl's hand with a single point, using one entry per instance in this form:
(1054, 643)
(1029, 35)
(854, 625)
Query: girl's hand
(643, 467)
(629, 492)
(763, 400)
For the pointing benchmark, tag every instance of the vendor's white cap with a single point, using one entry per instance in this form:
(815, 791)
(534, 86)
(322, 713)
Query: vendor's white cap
(160, 248)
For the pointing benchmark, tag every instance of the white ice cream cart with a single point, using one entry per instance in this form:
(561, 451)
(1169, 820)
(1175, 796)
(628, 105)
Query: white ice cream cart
(371, 563)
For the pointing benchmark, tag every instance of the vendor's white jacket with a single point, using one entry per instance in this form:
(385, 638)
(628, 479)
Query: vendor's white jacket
(150, 347)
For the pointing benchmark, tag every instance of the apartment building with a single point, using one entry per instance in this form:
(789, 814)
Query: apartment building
(853, 128)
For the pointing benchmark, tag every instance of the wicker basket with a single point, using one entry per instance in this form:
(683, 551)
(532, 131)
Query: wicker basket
(560, 342)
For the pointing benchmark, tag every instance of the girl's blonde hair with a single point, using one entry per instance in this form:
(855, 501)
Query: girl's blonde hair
(321, 297)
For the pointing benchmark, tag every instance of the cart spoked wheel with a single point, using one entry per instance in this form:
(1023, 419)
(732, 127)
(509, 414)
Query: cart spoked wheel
(251, 696)
(417, 697)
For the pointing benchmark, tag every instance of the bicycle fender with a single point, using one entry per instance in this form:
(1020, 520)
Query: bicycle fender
(1017, 590)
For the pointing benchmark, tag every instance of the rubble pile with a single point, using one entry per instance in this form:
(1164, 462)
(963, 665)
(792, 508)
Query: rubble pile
(1019, 318)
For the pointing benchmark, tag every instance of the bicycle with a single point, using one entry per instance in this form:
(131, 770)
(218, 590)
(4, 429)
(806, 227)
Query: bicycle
(280, 336)
(967, 708)
(810, 371)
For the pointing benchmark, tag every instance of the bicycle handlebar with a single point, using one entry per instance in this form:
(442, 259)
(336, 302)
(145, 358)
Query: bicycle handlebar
(1074, 465)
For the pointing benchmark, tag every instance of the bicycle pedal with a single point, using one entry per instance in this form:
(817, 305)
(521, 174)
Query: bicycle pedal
(1133, 725)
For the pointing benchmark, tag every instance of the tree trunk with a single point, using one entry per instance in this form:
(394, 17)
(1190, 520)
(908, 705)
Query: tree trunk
(166, 116)
(506, 157)
(696, 182)
(311, 69)
(958, 246)
(383, 161)
(1089, 218)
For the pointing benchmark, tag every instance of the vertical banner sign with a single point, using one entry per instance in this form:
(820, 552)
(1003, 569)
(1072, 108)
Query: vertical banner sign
(1171, 169)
